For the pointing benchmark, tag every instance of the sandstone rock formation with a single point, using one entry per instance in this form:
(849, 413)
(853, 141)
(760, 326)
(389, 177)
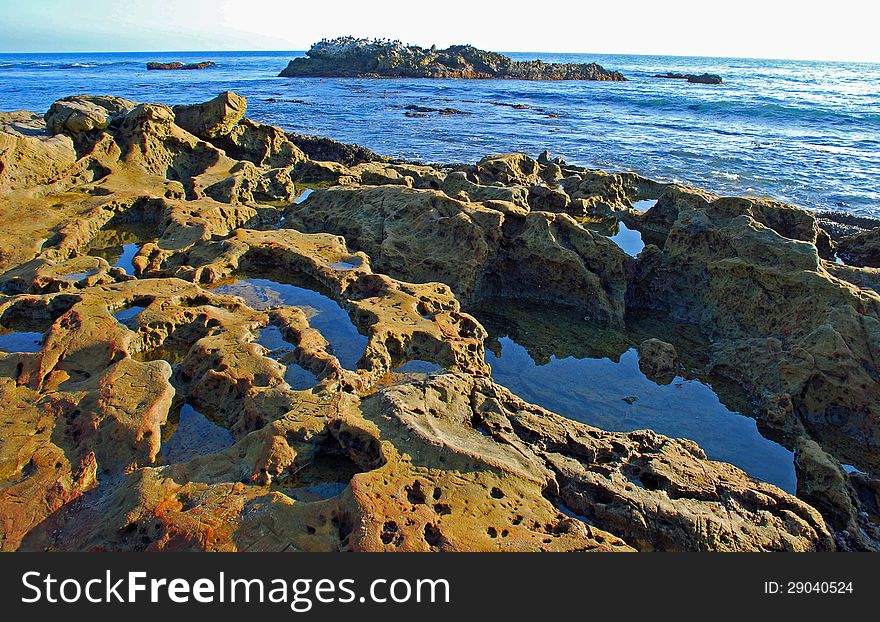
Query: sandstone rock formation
(84, 113)
(366, 456)
(511, 254)
(349, 57)
(798, 338)
(212, 119)
(30, 155)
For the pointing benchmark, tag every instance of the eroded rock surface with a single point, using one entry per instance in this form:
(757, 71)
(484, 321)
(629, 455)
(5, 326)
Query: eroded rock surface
(212, 119)
(329, 454)
(29, 154)
(861, 249)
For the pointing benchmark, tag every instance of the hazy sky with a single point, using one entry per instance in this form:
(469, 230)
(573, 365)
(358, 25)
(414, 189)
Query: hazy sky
(840, 30)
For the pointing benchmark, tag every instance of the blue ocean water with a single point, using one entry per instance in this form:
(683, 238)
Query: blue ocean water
(800, 131)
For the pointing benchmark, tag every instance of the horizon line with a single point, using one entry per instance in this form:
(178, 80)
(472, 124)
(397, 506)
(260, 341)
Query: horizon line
(642, 54)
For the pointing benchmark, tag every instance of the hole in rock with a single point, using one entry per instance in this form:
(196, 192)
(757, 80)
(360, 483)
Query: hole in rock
(346, 265)
(317, 492)
(324, 313)
(644, 205)
(127, 315)
(172, 351)
(305, 195)
(119, 243)
(628, 240)
(191, 434)
(76, 277)
(326, 473)
(298, 377)
(564, 509)
(418, 367)
(850, 469)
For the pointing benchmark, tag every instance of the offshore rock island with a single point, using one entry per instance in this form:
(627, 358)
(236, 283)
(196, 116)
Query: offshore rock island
(170, 380)
(350, 57)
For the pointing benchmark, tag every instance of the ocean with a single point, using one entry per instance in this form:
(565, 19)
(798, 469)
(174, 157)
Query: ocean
(803, 132)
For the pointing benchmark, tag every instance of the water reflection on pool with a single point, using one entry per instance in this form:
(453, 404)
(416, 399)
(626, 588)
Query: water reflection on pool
(16, 342)
(644, 205)
(602, 385)
(628, 240)
(76, 277)
(305, 195)
(119, 244)
(298, 377)
(193, 435)
(325, 314)
(125, 316)
(417, 366)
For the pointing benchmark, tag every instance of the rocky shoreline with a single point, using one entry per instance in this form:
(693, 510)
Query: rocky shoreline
(223, 217)
(349, 57)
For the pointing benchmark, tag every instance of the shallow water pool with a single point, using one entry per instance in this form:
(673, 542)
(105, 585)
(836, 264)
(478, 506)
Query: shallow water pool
(125, 316)
(305, 195)
(17, 342)
(76, 277)
(628, 240)
(617, 396)
(644, 205)
(325, 314)
(417, 366)
(317, 492)
(194, 435)
(119, 245)
(298, 377)
(554, 358)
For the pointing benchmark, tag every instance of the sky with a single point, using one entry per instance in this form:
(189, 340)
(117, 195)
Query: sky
(804, 29)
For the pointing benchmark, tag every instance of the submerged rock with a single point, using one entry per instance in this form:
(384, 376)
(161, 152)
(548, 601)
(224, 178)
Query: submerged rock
(327, 149)
(704, 78)
(657, 359)
(348, 57)
(176, 65)
(840, 224)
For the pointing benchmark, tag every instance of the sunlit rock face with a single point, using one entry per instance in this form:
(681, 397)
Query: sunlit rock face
(349, 57)
(218, 336)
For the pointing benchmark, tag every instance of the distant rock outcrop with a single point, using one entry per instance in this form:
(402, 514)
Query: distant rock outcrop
(703, 78)
(178, 65)
(350, 57)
